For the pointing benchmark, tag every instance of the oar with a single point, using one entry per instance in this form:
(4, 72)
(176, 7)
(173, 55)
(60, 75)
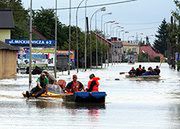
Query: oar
(122, 73)
(161, 61)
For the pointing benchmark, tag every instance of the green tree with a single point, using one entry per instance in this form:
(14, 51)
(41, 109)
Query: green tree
(160, 43)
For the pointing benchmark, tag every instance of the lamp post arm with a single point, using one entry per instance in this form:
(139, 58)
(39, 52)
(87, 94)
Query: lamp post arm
(77, 40)
(92, 17)
(77, 10)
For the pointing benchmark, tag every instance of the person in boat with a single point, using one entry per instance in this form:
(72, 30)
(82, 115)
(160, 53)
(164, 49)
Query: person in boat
(40, 88)
(150, 71)
(132, 72)
(93, 84)
(36, 70)
(74, 85)
(157, 70)
(139, 71)
(143, 70)
(62, 85)
(52, 79)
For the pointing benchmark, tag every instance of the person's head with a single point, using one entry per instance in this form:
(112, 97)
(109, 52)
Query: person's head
(143, 67)
(157, 67)
(45, 71)
(132, 68)
(150, 68)
(91, 76)
(43, 75)
(74, 77)
(139, 66)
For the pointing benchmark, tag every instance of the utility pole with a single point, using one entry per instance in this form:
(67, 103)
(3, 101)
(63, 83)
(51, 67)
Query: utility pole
(30, 46)
(55, 51)
(69, 60)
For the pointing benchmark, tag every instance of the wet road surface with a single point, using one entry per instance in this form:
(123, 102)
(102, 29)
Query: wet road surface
(130, 104)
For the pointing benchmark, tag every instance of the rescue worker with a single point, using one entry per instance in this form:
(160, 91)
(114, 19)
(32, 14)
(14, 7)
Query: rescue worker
(93, 84)
(74, 85)
(41, 87)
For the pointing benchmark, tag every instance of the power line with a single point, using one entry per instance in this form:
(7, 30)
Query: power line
(90, 6)
(143, 29)
(141, 23)
(97, 5)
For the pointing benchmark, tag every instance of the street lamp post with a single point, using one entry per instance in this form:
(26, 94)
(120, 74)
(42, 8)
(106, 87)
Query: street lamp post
(106, 31)
(118, 27)
(106, 28)
(130, 37)
(111, 29)
(102, 34)
(124, 32)
(101, 9)
(105, 22)
(112, 45)
(55, 51)
(69, 37)
(77, 37)
(85, 39)
(30, 46)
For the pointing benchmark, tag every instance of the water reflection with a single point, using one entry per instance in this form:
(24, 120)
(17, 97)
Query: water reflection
(91, 110)
(83, 105)
(43, 103)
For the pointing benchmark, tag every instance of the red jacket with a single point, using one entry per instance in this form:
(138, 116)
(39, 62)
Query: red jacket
(93, 84)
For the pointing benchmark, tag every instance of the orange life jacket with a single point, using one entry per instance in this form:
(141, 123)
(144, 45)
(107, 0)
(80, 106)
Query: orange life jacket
(93, 84)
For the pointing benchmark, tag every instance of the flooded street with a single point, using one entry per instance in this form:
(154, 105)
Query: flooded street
(130, 104)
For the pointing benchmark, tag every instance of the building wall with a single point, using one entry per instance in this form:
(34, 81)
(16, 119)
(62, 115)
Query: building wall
(134, 48)
(8, 64)
(129, 47)
(117, 52)
(5, 34)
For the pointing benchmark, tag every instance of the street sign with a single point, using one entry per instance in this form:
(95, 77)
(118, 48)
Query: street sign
(40, 43)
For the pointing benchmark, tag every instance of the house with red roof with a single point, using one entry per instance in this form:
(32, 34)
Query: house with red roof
(150, 51)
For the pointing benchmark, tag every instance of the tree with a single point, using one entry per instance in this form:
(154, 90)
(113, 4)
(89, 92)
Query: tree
(160, 43)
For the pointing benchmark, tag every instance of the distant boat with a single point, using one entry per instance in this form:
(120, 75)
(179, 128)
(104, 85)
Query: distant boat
(85, 97)
(147, 77)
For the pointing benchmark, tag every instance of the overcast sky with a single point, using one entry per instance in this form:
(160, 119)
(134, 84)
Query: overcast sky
(141, 17)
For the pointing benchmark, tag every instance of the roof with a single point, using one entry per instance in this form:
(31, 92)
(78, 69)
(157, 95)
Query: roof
(6, 19)
(150, 51)
(103, 39)
(5, 46)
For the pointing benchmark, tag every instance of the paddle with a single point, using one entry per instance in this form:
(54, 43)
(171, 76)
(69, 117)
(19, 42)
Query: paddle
(122, 73)
(161, 61)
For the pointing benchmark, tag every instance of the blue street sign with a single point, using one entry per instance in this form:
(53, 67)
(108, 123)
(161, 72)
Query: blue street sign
(34, 42)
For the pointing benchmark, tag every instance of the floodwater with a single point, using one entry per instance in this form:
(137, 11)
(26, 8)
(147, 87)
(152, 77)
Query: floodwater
(130, 104)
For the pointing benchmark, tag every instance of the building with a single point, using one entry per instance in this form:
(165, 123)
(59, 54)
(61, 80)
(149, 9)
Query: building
(8, 53)
(152, 54)
(6, 24)
(130, 51)
(116, 50)
(8, 61)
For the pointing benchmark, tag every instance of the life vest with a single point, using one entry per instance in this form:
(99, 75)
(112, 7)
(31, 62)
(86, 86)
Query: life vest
(74, 87)
(93, 84)
(62, 84)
